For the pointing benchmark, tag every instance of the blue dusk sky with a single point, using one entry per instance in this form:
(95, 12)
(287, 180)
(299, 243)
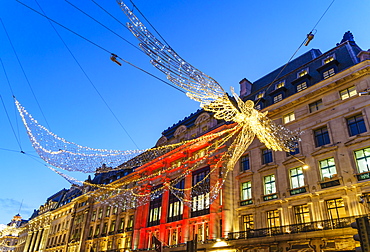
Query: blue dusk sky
(228, 40)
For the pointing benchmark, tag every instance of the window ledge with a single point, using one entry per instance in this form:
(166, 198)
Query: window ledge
(268, 166)
(330, 182)
(298, 190)
(324, 149)
(358, 139)
(363, 176)
(271, 196)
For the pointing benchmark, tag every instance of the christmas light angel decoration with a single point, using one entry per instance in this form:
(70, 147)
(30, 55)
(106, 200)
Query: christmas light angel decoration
(204, 89)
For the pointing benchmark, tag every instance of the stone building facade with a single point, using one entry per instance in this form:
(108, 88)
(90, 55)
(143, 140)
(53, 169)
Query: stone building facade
(273, 201)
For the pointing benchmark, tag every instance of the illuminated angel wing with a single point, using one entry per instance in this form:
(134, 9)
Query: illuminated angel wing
(70, 156)
(275, 136)
(198, 86)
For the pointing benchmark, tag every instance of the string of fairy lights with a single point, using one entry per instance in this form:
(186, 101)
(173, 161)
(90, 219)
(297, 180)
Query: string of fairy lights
(221, 149)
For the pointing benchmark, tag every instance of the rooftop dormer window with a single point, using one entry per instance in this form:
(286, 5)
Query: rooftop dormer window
(328, 59)
(260, 95)
(280, 85)
(302, 73)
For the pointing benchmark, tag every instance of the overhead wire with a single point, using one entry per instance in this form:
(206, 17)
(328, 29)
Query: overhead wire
(106, 27)
(89, 79)
(6, 111)
(299, 47)
(134, 5)
(102, 48)
(24, 73)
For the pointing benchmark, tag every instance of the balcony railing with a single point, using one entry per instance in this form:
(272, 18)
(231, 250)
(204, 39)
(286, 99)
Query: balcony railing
(293, 229)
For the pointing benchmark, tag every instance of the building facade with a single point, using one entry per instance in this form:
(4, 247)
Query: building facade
(304, 200)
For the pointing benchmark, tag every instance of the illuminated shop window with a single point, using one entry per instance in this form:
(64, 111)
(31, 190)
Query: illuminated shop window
(175, 207)
(248, 222)
(336, 208)
(200, 193)
(155, 209)
(273, 218)
(302, 214)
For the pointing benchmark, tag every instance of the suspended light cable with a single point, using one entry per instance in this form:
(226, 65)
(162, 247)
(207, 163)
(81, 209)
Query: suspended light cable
(102, 48)
(148, 22)
(305, 42)
(24, 73)
(17, 138)
(88, 78)
(106, 27)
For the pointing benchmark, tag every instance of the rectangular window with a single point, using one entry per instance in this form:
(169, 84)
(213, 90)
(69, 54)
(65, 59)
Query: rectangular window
(301, 86)
(121, 225)
(289, 117)
(260, 95)
(294, 151)
(302, 214)
(328, 59)
(248, 222)
(363, 160)
(315, 106)
(201, 200)
(130, 223)
(356, 125)
(348, 92)
(336, 208)
(328, 169)
(321, 136)
(266, 156)
(100, 213)
(244, 163)
(273, 218)
(278, 98)
(155, 210)
(296, 177)
(246, 192)
(328, 73)
(112, 226)
(302, 73)
(280, 85)
(269, 184)
(105, 228)
(93, 216)
(175, 207)
(107, 212)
